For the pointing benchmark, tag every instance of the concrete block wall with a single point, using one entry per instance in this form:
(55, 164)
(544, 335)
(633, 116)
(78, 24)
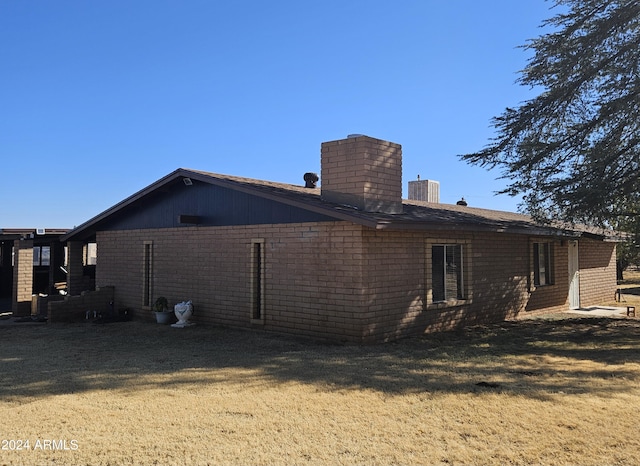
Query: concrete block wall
(74, 308)
(363, 172)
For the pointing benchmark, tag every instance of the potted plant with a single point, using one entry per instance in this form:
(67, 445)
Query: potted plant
(161, 309)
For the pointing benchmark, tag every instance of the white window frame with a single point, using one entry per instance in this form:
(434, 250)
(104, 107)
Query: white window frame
(465, 273)
(542, 264)
(447, 294)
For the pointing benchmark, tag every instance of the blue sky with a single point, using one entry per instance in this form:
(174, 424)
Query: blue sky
(99, 99)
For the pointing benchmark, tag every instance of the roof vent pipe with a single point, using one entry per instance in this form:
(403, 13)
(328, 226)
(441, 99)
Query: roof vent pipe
(310, 180)
(462, 202)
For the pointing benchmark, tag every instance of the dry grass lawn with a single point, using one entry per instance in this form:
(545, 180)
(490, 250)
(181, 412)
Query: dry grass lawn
(545, 391)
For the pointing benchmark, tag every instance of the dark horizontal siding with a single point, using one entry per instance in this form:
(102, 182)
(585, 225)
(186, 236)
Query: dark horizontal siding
(214, 205)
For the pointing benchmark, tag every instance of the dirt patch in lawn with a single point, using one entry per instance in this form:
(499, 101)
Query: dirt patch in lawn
(560, 390)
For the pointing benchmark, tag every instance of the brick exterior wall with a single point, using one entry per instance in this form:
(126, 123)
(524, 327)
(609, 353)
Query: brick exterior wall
(550, 298)
(498, 280)
(340, 281)
(597, 272)
(40, 304)
(22, 277)
(75, 278)
(75, 308)
(495, 282)
(312, 274)
(363, 172)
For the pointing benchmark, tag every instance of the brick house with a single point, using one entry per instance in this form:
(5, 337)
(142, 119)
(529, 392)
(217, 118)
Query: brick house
(349, 261)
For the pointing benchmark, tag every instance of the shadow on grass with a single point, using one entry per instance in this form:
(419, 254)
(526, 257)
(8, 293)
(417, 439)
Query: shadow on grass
(535, 358)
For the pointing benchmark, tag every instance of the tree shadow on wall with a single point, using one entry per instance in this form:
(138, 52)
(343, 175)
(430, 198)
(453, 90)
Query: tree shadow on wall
(492, 301)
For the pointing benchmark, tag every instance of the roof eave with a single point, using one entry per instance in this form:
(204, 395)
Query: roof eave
(517, 230)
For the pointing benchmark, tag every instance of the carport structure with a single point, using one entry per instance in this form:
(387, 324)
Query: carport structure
(32, 262)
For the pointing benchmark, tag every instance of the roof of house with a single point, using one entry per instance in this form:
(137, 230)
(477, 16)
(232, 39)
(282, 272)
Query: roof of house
(416, 215)
(15, 233)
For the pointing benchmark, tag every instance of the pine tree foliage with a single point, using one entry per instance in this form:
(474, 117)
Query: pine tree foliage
(573, 151)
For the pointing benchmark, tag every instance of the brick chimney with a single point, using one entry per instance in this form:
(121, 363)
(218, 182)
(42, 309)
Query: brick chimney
(363, 172)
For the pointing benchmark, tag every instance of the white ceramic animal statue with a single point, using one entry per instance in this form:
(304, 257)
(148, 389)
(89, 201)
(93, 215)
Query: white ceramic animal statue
(183, 311)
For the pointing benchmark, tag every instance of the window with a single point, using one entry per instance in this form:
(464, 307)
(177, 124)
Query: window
(41, 255)
(45, 255)
(90, 254)
(446, 272)
(542, 264)
(257, 280)
(147, 277)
